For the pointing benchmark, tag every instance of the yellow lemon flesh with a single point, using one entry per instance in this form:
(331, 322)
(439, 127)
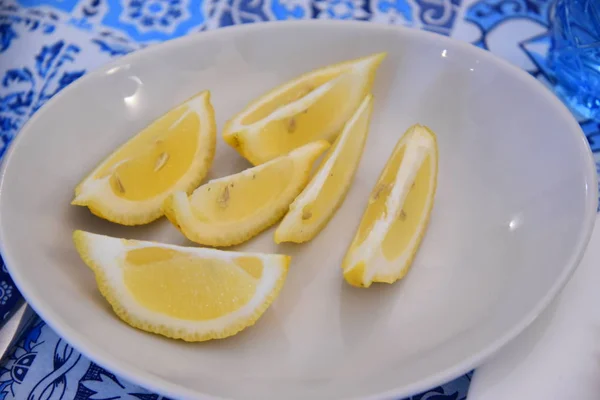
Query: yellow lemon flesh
(193, 294)
(233, 209)
(311, 107)
(326, 191)
(397, 215)
(173, 153)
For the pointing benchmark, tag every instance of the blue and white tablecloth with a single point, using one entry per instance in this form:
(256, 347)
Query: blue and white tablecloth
(47, 44)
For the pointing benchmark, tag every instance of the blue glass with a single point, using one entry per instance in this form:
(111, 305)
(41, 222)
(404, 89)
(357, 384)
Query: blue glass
(575, 55)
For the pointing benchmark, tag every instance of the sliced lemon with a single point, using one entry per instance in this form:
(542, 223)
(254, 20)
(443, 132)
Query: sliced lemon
(397, 215)
(313, 106)
(233, 209)
(194, 294)
(319, 200)
(173, 153)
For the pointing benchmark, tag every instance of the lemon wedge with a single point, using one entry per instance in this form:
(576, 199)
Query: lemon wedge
(397, 215)
(326, 191)
(233, 209)
(313, 106)
(193, 294)
(173, 153)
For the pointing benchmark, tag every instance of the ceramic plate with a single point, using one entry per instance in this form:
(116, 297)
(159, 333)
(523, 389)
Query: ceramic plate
(514, 209)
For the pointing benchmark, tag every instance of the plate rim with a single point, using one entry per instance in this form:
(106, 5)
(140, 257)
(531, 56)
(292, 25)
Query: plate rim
(154, 383)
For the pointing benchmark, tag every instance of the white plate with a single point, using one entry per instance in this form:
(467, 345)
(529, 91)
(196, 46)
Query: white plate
(514, 210)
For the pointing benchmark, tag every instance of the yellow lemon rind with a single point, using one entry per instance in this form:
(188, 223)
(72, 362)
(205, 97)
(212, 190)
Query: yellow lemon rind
(81, 241)
(109, 206)
(178, 208)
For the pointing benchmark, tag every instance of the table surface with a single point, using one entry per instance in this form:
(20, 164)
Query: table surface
(47, 44)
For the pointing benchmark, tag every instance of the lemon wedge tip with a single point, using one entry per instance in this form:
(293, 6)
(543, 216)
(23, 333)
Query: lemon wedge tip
(354, 276)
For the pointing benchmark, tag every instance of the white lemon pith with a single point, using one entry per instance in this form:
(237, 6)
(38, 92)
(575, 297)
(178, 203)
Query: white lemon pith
(173, 153)
(397, 215)
(193, 294)
(323, 195)
(311, 107)
(233, 209)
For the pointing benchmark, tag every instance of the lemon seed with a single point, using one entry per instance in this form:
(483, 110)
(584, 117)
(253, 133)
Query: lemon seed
(161, 161)
(291, 128)
(379, 190)
(223, 200)
(306, 214)
(119, 184)
(402, 215)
